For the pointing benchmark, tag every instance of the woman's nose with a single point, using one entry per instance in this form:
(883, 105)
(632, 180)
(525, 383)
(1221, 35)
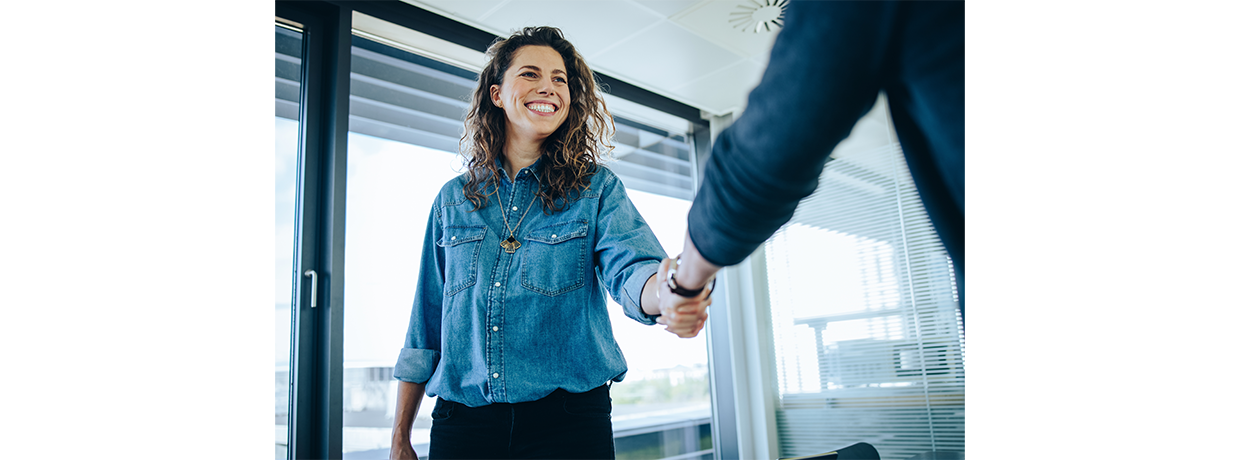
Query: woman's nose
(544, 86)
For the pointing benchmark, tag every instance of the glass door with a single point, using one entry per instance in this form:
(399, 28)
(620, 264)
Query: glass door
(311, 87)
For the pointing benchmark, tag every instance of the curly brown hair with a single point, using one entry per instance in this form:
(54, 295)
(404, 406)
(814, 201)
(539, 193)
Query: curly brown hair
(571, 154)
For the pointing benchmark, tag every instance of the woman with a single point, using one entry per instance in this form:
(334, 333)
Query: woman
(509, 326)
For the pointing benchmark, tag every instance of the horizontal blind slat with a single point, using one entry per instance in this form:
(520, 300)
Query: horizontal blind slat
(863, 308)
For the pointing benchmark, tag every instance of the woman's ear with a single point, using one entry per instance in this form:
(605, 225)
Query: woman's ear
(495, 96)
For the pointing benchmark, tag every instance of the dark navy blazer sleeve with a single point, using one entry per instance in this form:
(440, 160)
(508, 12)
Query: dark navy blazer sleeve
(825, 71)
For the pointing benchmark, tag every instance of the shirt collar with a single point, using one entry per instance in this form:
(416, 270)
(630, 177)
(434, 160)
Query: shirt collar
(535, 169)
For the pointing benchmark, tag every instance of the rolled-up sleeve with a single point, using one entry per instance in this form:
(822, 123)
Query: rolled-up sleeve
(626, 251)
(420, 353)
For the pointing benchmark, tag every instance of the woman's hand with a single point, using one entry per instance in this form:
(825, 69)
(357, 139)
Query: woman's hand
(683, 316)
(402, 451)
(408, 397)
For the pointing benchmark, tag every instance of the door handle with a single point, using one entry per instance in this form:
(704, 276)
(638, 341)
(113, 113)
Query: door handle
(314, 288)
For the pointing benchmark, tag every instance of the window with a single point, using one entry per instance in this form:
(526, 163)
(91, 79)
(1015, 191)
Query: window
(405, 120)
(868, 343)
(662, 408)
(355, 188)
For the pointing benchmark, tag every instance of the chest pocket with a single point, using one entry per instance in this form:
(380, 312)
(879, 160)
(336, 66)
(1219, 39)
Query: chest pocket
(556, 259)
(461, 246)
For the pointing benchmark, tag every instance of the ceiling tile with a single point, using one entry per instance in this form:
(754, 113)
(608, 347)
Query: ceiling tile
(668, 7)
(761, 59)
(663, 57)
(711, 20)
(467, 9)
(683, 49)
(591, 26)
(725, 90)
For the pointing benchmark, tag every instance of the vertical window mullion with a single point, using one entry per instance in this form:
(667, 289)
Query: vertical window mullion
(315, 413)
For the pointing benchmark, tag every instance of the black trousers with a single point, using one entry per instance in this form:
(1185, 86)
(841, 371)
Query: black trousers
(562, 425)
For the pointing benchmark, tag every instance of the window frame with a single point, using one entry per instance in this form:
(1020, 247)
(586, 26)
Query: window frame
(316, 365)
(316, 374)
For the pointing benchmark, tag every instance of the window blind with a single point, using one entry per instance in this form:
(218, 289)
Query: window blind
(868, 342)
(409, 98)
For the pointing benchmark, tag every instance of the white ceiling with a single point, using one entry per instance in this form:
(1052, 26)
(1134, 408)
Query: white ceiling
(686, 50)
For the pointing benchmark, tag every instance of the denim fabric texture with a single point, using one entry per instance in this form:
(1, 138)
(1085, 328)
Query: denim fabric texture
(492, 327)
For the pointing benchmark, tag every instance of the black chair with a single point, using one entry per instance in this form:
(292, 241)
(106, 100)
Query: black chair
(858, 451)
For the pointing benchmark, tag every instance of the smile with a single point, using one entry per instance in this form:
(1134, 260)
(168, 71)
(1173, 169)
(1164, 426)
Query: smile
(541, 107)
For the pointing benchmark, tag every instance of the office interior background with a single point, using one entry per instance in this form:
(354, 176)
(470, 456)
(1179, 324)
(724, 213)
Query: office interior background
(137, 328)
(843, 328)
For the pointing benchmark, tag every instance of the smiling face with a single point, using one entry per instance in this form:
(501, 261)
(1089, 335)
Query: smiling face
(534, 95)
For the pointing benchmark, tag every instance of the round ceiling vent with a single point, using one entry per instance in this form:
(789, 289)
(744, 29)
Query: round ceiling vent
(759, 15)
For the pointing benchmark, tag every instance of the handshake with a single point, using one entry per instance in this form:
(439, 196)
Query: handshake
(683, 316)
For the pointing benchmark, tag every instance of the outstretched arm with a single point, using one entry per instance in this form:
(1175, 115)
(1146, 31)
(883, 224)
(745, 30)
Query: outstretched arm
(694, 270)
(824, 73)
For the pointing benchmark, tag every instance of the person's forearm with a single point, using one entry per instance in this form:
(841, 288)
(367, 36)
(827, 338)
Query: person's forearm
(408, 398)
(683, 316)
(694, 271)
(650, 296)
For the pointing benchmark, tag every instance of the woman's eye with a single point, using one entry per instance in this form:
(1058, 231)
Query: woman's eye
(561, 80)
(528, 74)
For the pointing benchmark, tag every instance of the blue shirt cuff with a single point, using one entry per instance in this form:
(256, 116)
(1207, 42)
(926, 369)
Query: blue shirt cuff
(633, 293)
(415, 365)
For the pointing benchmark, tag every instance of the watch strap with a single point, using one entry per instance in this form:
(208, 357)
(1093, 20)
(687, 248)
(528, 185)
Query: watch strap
(681, 291)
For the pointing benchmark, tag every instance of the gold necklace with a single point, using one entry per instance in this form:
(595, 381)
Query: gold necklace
(511, 244)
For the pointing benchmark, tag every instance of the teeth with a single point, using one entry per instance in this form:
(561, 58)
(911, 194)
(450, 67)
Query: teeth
(544, 108)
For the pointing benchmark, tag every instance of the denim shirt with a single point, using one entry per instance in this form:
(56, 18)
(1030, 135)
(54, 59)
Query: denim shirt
(488, 326)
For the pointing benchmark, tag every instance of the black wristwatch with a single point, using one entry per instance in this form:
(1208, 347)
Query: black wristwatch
(680, 291)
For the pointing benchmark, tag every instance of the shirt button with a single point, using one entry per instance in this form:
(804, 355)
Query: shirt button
(495, 375)
(497, 284)
(494, 328)
(553, 235)
(514, 208)
(454, 237)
